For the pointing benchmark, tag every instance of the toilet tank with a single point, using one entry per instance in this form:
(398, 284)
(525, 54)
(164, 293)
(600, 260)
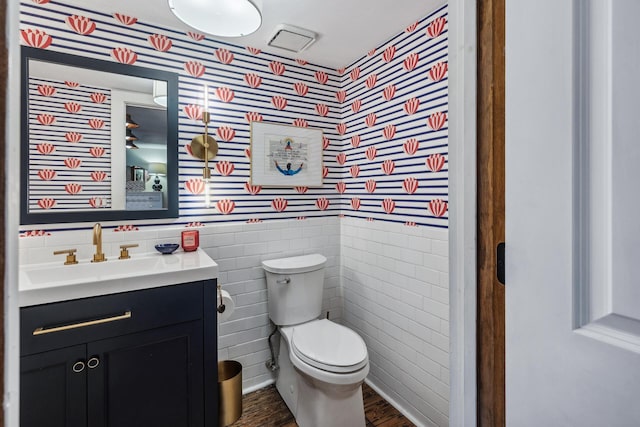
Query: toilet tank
(294, 288)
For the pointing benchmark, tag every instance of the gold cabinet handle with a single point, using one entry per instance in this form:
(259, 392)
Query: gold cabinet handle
(43, 330)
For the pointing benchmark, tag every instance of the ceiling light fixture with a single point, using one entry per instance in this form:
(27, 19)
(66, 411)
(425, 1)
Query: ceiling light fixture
(224, 18)
(160, 93)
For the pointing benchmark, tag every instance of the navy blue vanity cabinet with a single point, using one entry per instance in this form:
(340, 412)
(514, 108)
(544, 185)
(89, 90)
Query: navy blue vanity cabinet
(50, 395)
(141, 358)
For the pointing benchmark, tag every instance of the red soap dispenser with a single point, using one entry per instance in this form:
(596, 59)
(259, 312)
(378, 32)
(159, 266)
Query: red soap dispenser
(190, 240)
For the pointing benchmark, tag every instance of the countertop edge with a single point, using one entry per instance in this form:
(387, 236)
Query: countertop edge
(32, 297)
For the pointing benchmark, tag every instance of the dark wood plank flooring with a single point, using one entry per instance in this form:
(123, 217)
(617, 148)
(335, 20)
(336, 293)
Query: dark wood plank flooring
(265, 408)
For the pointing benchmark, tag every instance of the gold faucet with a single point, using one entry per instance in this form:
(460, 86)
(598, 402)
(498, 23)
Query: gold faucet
(97, 240)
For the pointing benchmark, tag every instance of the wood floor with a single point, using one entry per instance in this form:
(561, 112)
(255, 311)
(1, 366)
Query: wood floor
(265, 407)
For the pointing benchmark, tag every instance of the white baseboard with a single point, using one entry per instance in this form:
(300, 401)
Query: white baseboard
(393, 403)
(257, 386)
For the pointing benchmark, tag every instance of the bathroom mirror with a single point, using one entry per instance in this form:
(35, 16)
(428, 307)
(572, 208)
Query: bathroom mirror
(99, 140)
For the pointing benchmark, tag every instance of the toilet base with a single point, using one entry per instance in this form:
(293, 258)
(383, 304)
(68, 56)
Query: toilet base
(287, 379)
(315, 403)
(316, 408)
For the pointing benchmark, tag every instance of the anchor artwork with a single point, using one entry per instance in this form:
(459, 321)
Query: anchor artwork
(285, 156)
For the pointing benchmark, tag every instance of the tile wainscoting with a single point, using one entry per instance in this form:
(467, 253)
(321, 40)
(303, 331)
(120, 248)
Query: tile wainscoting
(395, 283)
(387, 281)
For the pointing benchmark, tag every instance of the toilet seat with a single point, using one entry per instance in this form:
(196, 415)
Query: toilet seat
(323, 375)
(329, 346)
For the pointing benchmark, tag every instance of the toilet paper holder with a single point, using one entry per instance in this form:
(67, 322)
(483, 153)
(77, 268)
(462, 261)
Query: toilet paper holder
(221, 307)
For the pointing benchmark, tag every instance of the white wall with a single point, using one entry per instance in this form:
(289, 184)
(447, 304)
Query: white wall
(396, 295)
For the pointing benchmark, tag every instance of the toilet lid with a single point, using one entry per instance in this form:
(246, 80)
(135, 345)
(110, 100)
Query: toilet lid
(329, 346)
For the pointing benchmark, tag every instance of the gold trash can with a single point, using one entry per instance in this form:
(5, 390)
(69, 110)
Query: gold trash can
(229, 391)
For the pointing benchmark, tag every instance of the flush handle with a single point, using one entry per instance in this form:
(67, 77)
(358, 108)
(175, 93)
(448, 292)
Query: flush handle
(284, 281)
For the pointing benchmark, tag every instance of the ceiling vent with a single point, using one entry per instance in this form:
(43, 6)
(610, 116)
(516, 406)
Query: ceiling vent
(291, 38)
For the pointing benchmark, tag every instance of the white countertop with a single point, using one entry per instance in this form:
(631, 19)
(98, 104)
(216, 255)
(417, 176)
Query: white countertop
(54, 281)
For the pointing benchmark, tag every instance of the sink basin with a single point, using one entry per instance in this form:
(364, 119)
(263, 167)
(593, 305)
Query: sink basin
(47, 275)
(51, 282)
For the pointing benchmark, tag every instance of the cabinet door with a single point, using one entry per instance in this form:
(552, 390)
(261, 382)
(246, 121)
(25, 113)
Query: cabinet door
(53, 388)
(152, 378)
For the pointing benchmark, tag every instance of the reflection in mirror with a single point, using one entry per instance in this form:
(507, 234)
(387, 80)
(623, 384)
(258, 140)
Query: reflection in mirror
(146, 151)
(86, 125)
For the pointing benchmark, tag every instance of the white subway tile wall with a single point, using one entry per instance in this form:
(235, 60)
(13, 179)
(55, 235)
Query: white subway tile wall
(389, 282)
(396, 295)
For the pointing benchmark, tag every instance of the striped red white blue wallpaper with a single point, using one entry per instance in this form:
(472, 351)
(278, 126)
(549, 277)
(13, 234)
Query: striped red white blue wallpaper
(394, 116)
(384, 117)
(69, 146)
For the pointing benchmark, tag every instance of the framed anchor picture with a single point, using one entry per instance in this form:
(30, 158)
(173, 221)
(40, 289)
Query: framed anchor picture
(285, 156)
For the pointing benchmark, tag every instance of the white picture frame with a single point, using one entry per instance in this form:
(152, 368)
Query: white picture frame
(285, 156)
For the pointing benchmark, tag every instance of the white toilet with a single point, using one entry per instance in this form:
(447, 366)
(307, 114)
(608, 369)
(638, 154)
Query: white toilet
(322, 364)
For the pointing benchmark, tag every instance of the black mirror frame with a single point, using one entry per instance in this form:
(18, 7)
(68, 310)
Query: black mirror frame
(27, 218)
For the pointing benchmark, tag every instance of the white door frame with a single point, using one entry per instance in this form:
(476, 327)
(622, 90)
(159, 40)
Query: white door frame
(462, 211)
(12, 222)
